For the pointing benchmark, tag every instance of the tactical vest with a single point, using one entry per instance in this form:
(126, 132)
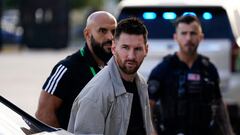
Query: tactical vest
(189, 110)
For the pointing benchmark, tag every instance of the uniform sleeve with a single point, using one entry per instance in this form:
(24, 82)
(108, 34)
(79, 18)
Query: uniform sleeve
(86, 118)
(57, 82)
(154, 82)
(216, 79)
(222, 121)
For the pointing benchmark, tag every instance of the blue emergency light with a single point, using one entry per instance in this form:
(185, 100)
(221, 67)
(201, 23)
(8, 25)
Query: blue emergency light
(149, 15)
(169, 15)
(207, 16)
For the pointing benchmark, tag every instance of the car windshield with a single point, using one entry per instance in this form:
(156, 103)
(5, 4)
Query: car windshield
(11, 122)
(159, 20)
(14, 121)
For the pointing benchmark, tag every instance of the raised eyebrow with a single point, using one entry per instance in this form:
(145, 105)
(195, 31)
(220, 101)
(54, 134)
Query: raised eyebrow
(193, 32)
(183, 32)
(102, 28)
(139, 48)
(124, 45)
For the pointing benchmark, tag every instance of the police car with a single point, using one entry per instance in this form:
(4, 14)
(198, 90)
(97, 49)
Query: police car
(221, 26)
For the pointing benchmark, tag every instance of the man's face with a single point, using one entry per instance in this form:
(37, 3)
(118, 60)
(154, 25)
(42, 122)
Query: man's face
(129, 52)
(99, 36)
(188, 37)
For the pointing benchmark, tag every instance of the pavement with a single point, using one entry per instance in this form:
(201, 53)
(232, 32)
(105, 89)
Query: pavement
(23, 72)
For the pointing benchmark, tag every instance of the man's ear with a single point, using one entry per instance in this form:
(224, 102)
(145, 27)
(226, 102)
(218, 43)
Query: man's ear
(147, 48)
(86, 34)
(175, 36)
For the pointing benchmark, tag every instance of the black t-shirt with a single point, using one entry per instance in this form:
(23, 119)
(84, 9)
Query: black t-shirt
(67, 79)
(136, 124)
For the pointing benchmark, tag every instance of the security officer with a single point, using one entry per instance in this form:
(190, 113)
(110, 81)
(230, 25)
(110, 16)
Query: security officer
(71, 74)
(184, 88)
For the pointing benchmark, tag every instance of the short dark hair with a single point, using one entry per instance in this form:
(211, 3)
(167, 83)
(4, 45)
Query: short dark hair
(131, 25)
(186, 19)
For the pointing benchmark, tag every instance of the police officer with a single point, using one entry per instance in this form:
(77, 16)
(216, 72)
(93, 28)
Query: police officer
(71, 74)
(184, 88)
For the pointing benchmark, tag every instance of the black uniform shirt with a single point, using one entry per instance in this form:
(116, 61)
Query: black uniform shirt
(182, 89)
(67, 79)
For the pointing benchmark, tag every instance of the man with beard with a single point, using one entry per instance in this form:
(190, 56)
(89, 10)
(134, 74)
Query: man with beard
(71, 74)
(185, 87)
(115, 102)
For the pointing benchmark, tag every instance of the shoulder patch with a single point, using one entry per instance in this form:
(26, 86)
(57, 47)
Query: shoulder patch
(205, 61)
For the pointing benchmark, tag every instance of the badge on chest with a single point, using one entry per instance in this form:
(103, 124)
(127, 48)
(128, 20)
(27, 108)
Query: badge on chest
(193, 77)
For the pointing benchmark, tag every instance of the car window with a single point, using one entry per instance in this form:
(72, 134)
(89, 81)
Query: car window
(159, 20)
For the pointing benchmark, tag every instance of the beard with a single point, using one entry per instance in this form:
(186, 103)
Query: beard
(128, 70)
(123, 65)
(191, 49)
(98, 49)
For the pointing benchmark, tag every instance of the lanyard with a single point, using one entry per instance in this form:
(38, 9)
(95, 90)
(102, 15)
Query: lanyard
(91, 68)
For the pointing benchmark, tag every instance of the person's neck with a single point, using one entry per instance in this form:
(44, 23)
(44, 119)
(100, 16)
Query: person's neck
(187, 59)
(128, 78)
(99, 62)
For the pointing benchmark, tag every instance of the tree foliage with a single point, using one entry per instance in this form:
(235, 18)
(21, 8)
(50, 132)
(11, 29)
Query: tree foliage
(9, 3)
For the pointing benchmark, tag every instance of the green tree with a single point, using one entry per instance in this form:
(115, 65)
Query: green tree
(9, 4)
